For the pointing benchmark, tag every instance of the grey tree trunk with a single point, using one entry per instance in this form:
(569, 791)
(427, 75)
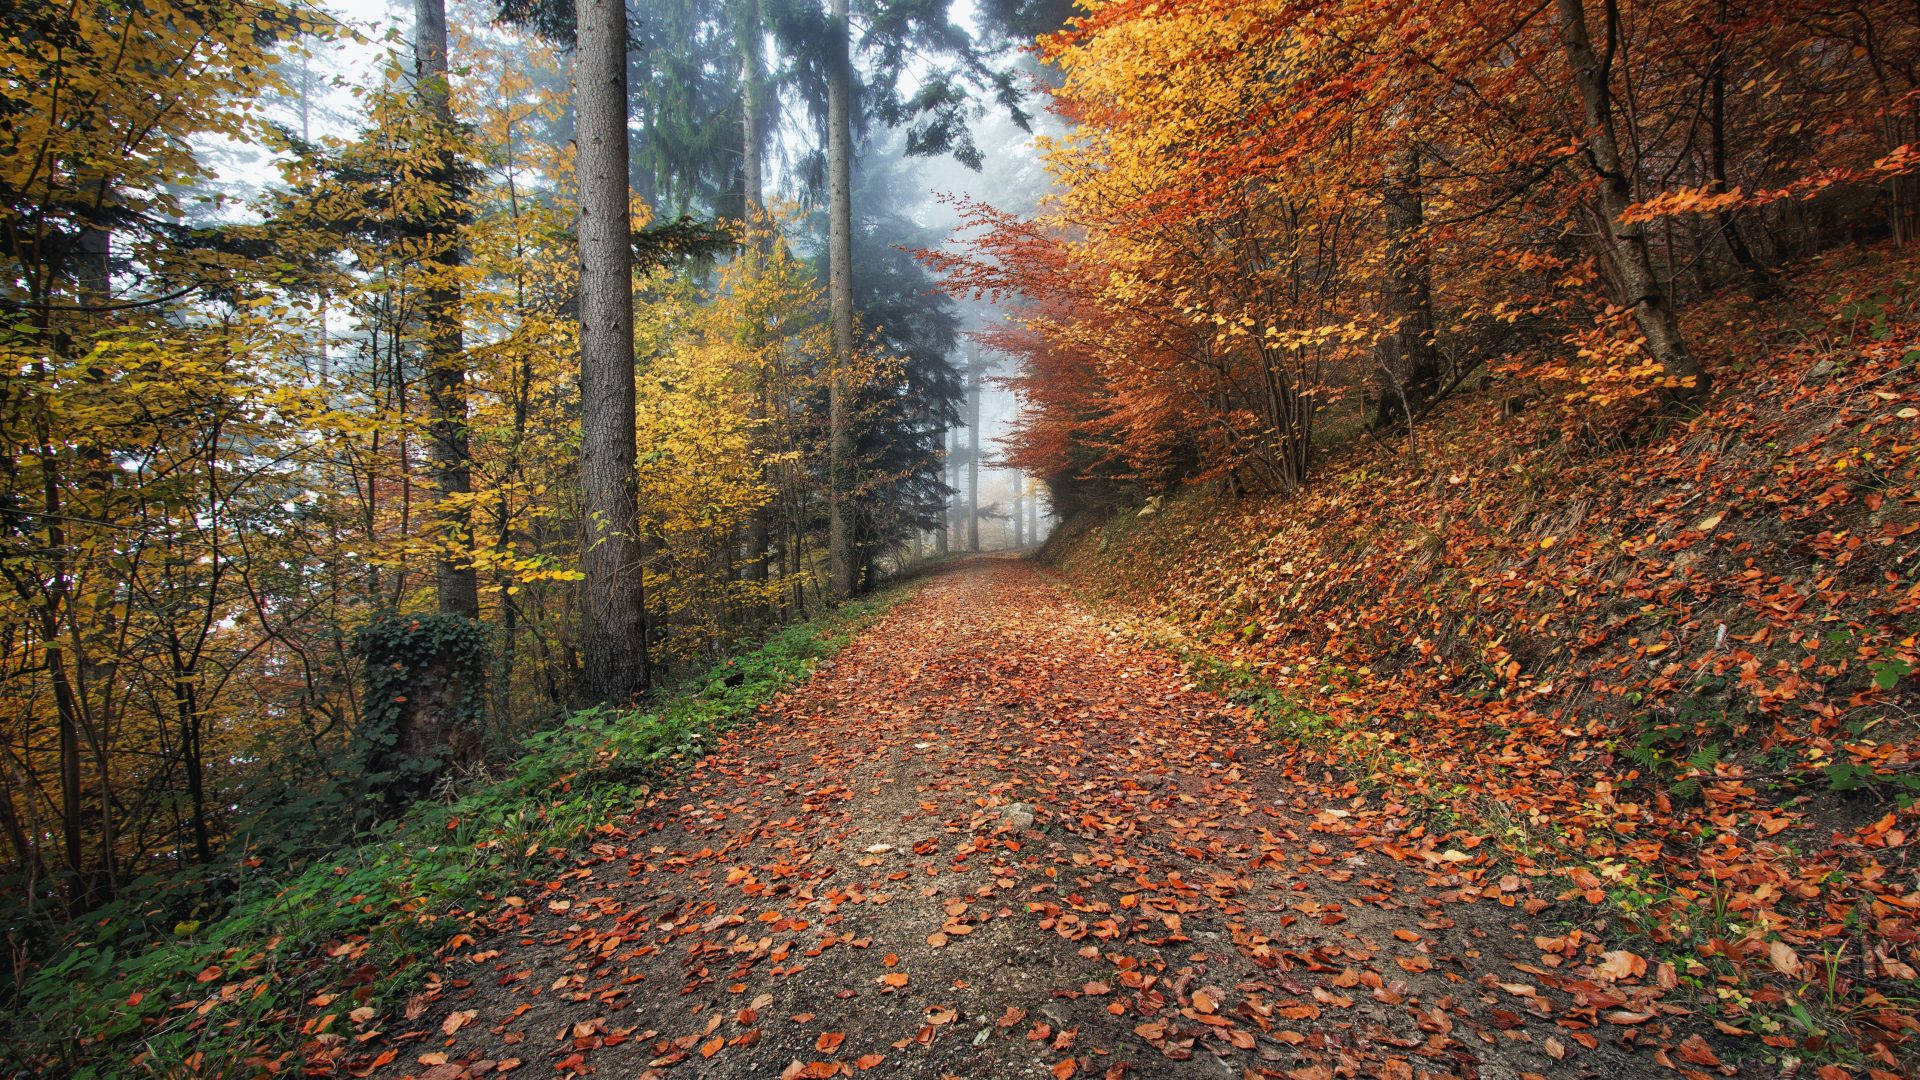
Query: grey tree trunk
(1019, 521)
(752, 142)
(840, 554)
(974, 371)
(456, 586)
(1626, 244)
(1409, 363)
(613, 639)
(752, 133)
(946, 511)
(93, 267)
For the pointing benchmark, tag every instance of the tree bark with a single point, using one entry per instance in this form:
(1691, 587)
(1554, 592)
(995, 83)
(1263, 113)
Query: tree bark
(456, 585)
(752, 140)
(613, 638)
(1759, 284)
(974, 371)
(1410, 364)
(946, 509)
(752, 134)
(840, 553)
(1626, 244)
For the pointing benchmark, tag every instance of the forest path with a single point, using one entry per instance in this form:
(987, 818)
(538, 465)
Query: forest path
(993, 839)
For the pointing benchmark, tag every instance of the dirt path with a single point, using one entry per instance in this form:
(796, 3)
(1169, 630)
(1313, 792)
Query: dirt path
(992, 840)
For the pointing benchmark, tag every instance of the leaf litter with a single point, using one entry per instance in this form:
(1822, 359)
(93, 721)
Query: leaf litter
(841, 889)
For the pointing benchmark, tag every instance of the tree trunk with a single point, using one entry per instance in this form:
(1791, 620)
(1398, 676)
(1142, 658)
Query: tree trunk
(613, 636)
(953, 481)
(189, 715)
(752, 134)
(752, 214)
(456, 585)
(1626, 244)
(1759, 284)
(946, 508)
(1019, 522)
(760, 523)
(1410, 365)
(840, 554)
(50, 605)
(974, 371)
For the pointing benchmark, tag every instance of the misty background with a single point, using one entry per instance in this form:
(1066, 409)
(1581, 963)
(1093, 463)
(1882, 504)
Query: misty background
(907, 202)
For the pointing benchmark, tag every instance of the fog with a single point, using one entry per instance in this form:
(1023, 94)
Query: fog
(326, 101)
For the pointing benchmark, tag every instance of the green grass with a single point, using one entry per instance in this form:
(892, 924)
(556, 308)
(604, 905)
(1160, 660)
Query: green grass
(135, 993)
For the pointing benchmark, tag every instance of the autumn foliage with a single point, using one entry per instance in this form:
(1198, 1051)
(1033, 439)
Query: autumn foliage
(1277, 222)
(1503, 411)
(1670, 680)
(239, 426)
(1637, 614)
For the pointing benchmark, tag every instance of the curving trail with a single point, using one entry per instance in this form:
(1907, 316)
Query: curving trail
(992, 839)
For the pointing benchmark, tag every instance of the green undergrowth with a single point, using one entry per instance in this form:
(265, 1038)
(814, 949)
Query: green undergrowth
(293, 948)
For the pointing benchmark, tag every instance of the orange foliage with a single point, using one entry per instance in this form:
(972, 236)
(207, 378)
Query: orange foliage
(1213, 284)
(1677, 675)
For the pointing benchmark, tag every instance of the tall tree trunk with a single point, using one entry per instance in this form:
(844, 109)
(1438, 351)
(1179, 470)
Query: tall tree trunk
(46, 593)
(52, 604)
(93, 267)
(840, 553)
(456, 584)
(946, 508)
(974, 371)
(752, 141)
(1759, 283)
(1626, 244)
(1019, 522)
(613, 636)
(759, 528)
(752, 125)
(188, 712)
(1410, 365)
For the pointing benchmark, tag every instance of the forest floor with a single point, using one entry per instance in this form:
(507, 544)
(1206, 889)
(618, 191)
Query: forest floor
(996, 838)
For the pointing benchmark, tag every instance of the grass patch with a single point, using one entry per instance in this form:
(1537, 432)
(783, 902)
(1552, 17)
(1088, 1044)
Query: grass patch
(294, 948)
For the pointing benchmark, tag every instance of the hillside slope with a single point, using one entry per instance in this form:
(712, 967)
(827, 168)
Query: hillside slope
(1669, 662)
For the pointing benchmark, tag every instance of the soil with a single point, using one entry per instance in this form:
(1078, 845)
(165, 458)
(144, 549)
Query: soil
(993, 838)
